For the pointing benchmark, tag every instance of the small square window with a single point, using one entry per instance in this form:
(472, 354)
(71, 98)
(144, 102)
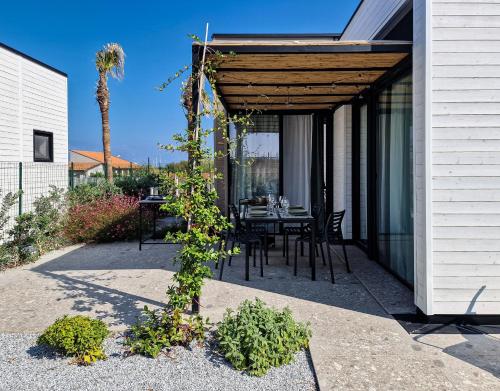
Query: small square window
(43, 146)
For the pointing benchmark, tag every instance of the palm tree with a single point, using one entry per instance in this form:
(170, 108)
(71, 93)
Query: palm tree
(110, 60)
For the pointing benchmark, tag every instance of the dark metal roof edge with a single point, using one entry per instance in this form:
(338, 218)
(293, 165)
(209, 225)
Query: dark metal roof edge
(335, 36)
(397, 47)
(27, 57)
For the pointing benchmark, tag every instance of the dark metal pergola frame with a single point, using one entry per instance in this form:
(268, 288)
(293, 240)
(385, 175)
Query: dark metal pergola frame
(367, 93)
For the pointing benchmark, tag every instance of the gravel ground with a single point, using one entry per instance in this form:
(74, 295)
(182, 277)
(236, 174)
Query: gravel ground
(25, 366)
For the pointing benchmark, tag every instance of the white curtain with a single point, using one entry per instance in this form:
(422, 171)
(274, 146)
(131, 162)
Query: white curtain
(297, 144)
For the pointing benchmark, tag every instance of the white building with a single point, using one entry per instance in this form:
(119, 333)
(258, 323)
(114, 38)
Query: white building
(410, 144)
(33, 125)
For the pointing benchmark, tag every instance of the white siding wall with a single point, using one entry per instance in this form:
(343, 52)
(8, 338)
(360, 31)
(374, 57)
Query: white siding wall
(465, 98)
(342, 166)
(422, 155)
(372, 15)
(31, 97)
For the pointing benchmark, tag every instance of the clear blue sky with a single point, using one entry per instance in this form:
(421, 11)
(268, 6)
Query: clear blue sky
(66, 34)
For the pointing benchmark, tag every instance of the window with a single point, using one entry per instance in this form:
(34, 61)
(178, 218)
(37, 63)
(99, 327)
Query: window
(395, 178)
(255, 158)
(43, 148)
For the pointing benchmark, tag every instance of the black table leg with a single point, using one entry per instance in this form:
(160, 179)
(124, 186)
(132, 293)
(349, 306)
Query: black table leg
(140, 227)
(248, 247)
(312, 252)
(155, 211)
(301, 243)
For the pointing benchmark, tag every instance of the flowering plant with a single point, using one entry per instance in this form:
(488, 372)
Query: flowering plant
(104, 220)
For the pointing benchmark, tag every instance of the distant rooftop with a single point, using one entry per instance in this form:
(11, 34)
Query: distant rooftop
(116, 161)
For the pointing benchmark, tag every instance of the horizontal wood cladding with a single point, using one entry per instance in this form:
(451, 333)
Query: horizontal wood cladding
(290, 77)
(290, 90)
(286, 99)
(320, 74)
(312, 61)
(264, 107)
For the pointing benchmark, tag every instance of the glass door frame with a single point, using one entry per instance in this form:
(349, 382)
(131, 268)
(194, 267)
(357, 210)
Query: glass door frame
(370, 97)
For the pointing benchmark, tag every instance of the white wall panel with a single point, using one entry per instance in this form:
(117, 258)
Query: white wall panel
(466, 156)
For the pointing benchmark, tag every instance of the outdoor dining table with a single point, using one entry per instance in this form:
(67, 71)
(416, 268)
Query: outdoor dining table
(278, 216)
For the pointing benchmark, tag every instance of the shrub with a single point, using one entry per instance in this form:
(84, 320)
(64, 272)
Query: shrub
(137, 184)
(256, 337)
(7, 202)
(7, 257)
(36, 232)
(87, 193)
(162, 330)
(104, 220)
(77, 336)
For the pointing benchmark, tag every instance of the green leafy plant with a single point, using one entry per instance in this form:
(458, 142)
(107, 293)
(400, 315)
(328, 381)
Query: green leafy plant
(36, 232)
(138, 183)
(7, 202)
(87, 193)
(163, 329)
(6, 254)
(256, 338)
(77, 336)
(194, 196)
(105, 220)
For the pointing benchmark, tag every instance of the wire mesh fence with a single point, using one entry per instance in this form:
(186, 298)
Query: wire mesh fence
(30, 181)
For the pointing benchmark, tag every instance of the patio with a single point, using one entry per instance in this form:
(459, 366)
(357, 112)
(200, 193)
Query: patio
(356, 343)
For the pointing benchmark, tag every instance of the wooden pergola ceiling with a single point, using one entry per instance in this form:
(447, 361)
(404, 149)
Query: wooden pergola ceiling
(294, 75)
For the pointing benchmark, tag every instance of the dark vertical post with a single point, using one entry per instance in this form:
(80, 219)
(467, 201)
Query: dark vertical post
(20, 188)
(148, 165)
(329, 162)
(372, 176)
(72, 175)
(356, 142)
(280, 157)
(192, 123)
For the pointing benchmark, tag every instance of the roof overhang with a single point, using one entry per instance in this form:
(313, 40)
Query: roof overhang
(306, 74)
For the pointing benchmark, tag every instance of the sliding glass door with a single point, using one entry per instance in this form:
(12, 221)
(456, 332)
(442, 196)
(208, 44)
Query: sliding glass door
(255, 158)
(363, 174)
(394, 185)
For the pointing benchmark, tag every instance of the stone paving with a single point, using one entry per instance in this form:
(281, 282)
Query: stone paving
(356, 344)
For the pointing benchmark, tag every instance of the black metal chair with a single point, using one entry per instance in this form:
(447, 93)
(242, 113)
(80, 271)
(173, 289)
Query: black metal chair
(241, 235)
(333, 235)
(318, 213)
(330, 234)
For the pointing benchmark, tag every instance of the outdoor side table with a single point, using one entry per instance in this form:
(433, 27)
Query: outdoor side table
(155, 205)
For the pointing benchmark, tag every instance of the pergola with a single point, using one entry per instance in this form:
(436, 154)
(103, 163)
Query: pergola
(282, 73)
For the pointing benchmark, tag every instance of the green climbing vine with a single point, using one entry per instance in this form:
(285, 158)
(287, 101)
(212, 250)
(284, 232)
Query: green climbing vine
(195, 197)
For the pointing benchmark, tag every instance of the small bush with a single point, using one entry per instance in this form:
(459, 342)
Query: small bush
(137, 184)
(87, 193)
(104, 220)
(7, 202)
(256, 337)
(37, 232)
(162, 330)
(77, 336)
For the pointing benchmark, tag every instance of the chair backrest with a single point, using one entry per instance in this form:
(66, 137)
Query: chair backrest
(334, 226)
(318, 212)
(237, 219)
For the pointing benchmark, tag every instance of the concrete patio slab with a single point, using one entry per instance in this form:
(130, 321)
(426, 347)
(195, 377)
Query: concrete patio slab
(356, 343)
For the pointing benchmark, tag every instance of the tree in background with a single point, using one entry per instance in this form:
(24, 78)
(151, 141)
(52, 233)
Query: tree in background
(110, 60)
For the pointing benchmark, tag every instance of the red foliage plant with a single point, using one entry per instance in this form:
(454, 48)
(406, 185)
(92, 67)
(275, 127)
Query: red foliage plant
(104, 220)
